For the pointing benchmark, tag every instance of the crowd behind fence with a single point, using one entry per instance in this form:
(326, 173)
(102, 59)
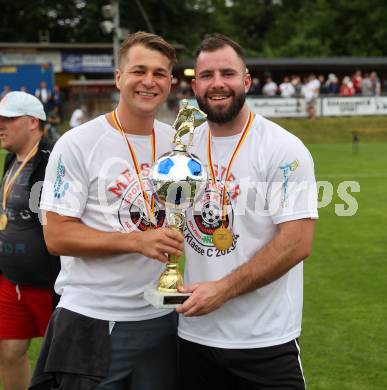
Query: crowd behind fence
(302, 97)
(293, 96)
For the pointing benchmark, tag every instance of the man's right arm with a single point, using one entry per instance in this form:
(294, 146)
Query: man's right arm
(68, 236)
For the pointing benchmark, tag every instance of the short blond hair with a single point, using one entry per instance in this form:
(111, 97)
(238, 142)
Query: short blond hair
(150, 41)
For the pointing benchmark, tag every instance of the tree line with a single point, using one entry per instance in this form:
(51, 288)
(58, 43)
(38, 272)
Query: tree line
(265, 28)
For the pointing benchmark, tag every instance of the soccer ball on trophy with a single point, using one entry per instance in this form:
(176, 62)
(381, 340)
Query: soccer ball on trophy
(178, 178)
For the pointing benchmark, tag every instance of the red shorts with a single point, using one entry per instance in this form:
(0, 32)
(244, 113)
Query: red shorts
(24, 311)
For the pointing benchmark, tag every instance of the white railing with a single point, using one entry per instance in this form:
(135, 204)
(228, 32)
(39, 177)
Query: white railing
(278, 107)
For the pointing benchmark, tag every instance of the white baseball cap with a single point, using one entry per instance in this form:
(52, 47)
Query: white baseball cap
(20, 103)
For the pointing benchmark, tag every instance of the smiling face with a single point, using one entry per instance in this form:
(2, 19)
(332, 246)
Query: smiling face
(220, 84)
(144, 80)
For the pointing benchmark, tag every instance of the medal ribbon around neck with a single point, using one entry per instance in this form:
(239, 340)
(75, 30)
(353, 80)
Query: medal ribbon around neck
(150, 206)
(11, 179)
(242, 138)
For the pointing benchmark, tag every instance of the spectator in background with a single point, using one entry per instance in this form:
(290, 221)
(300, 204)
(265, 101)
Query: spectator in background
(57, 99)
(311, 91)
(183, 90)
(366, 85)
(255, 88)
(297, 84)
(6, 89)
(376, 86)
(286, 88)
(173, 100)
(43, 94)
(270, 88)
(323, 86)
(347, 88)
(23, 88)
(332, 85)
(78, 116)
(356, 81)
(27, 270)
(51, 129)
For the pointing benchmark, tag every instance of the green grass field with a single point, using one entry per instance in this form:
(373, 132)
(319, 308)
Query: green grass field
(345, 314)
(344, 342)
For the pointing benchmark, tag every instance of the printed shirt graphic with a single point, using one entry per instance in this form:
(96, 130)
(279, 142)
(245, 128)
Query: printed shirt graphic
(90, 176)
(60, 186)
(270, 315)
(132, 212)
(205, 217)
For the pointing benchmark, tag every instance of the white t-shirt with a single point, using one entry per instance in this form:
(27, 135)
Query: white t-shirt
(287, 90)
(77, 117)
(270, 89)
(311, 89)
(43, 94)
(90, 176)
(272, 182)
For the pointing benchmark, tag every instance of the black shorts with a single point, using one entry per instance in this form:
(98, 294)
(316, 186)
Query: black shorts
(205, 368)
(83, 353)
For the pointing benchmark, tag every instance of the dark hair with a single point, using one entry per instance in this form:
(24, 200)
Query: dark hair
(218, 41)
(150, 41)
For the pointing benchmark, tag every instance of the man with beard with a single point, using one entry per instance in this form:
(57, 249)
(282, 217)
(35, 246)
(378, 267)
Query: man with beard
(239, 328)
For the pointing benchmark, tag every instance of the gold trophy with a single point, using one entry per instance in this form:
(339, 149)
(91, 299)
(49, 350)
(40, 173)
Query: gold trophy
(178, 178)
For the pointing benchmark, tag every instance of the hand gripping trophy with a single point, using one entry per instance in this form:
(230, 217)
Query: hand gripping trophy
(178, 178)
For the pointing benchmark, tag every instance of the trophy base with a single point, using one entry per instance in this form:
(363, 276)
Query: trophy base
(164, 300)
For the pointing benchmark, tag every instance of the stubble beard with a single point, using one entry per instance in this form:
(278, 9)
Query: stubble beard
(219, 114)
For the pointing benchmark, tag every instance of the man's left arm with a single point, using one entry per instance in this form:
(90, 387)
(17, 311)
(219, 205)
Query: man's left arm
(291, 244)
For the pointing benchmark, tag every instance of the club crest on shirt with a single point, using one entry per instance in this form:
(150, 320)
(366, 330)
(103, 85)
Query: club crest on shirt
(60, 186)
(287, 170)
(205, 218)
(132, 211)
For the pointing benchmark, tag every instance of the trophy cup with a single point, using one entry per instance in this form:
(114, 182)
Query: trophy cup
(178, 177)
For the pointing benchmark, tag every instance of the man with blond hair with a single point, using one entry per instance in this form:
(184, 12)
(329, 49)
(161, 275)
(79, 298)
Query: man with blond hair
(103, 220)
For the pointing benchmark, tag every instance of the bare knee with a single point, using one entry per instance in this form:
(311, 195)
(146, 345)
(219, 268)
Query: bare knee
(13, 351)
